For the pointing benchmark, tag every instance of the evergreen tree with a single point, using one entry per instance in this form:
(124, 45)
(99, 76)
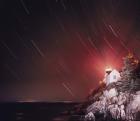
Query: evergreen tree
(130, 81)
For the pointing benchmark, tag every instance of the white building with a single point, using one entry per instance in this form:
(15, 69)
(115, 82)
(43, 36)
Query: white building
(111, 76)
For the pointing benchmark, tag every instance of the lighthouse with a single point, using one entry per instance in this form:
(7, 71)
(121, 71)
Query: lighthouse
(111, 75)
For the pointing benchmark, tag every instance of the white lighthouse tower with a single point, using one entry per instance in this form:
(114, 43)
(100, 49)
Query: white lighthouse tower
(111, 75)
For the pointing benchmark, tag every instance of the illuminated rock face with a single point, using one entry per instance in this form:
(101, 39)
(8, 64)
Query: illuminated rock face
(111, 93)
(121, 106)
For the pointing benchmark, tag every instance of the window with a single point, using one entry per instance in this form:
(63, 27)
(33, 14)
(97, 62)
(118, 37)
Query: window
(114, 76)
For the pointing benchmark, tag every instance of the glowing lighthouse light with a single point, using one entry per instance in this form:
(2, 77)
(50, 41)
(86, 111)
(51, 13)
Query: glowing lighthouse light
(108, 70)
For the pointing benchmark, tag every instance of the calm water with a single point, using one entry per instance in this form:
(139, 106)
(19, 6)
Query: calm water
(35, 111)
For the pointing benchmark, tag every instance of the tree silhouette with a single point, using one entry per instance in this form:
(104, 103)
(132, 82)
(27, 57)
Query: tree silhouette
(130, 79)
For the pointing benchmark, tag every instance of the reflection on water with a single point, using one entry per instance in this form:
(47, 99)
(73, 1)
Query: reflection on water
(35, 111)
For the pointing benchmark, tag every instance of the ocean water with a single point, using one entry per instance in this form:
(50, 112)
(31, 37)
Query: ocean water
(59, 111)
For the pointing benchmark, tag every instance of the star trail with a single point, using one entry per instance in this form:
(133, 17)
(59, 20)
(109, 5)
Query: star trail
(57, 50)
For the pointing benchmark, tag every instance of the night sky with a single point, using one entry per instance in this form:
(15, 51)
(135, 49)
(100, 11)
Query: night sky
(55, 50)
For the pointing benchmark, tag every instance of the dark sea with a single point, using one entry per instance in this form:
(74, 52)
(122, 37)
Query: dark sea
(35, 111)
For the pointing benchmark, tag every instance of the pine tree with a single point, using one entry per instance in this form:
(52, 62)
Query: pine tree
(130, 81)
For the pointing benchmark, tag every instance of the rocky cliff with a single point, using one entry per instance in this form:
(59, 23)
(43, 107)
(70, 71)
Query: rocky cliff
(119, 101)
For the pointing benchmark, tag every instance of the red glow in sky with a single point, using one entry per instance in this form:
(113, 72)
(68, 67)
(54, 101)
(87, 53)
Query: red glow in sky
(55, 52)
